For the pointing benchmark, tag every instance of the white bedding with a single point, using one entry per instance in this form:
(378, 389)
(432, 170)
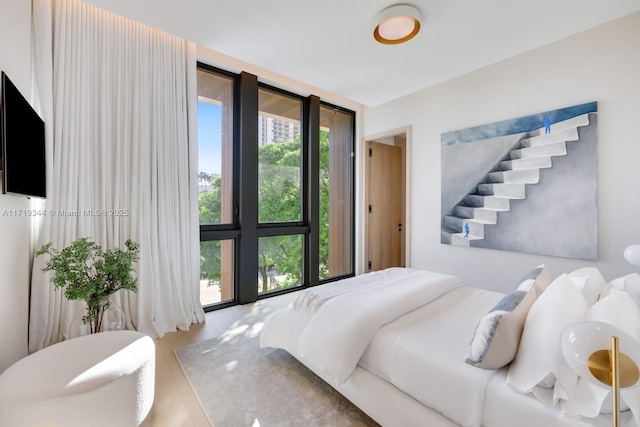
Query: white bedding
(338, 332)
(408, 331)
(310, 300)
(506, 408)
(423, 354)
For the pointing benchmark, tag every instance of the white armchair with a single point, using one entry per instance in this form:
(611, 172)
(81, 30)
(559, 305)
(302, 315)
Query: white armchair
(104, 379)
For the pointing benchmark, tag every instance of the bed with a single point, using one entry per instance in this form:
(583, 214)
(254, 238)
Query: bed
(397, 344)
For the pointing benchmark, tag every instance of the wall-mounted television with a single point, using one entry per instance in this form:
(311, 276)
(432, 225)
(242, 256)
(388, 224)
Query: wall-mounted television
(22, 158)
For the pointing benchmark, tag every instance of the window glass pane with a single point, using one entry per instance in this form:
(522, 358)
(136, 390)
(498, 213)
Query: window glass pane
(216, 271)
(279, 154)
(279, 262)
(336, 192)
(215, 139)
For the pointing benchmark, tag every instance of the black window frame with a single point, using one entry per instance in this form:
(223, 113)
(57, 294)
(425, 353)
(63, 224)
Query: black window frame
(220, 232)
(245, 229)
(353, 189)
(289, 228)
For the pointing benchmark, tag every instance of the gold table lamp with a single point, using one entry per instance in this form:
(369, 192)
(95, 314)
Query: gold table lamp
(604, 355)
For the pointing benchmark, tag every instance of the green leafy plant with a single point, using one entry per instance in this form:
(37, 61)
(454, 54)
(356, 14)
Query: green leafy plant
(278, 201)
(87, 272)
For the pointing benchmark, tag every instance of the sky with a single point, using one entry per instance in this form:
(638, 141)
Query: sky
(513, 126)
(209, 137)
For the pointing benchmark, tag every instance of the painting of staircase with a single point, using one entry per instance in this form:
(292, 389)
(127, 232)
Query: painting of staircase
(511, 177)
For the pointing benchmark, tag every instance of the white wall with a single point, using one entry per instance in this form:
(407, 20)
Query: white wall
(603, 65)
(15, 231)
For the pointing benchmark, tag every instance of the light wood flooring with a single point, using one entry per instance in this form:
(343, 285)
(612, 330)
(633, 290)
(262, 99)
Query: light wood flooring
(175, 403)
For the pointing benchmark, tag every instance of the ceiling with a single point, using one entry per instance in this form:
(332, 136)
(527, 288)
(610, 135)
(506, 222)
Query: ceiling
(328, 44)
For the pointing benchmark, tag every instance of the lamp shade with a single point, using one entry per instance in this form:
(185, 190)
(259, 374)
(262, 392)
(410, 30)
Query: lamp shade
(581, 340)
(632, 254)
(397, 24)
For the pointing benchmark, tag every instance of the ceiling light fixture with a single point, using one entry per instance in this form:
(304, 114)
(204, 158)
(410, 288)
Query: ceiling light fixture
(397, 24)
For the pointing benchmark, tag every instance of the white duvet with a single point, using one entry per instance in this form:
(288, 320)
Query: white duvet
(332, 325)
(423, 354)
(409, 328)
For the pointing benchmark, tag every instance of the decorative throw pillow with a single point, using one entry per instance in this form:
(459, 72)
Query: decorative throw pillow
(539, 360)
(540, 277)
(618, 309)
(497, 335)
(593, 285)
(629, 284)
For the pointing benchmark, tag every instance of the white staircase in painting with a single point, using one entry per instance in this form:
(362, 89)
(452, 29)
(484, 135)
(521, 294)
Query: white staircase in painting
(507, 181)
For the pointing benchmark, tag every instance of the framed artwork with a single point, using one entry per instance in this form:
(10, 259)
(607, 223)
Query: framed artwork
(526, 185)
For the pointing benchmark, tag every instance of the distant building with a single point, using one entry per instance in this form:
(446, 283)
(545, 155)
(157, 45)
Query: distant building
(276, 130)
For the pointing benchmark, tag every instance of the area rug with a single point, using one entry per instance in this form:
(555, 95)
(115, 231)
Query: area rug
(240, 384)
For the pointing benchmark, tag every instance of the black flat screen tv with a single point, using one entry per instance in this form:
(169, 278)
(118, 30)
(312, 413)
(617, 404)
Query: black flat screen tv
(22, 139)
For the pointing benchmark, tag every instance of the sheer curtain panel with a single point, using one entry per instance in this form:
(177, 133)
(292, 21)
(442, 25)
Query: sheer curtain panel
(119, 103)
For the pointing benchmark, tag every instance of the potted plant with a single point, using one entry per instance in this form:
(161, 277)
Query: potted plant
(87, 272)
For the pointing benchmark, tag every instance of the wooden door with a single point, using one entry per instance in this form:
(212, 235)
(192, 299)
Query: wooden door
(385, 195)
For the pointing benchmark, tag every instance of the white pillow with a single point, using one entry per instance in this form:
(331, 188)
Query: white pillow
(539, 276)
(617, 309)
(629, 284)
(593, 285)
(539, 358)
(495, 341)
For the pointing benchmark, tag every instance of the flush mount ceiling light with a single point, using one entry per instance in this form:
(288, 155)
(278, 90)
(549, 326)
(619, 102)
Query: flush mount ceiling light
(397, 24)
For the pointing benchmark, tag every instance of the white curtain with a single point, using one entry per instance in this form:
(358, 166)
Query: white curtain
(119, 103)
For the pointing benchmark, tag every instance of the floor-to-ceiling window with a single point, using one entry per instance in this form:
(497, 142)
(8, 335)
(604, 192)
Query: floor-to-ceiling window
(281, 191)
(276, 189)
(336, 220)
(216, 184)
